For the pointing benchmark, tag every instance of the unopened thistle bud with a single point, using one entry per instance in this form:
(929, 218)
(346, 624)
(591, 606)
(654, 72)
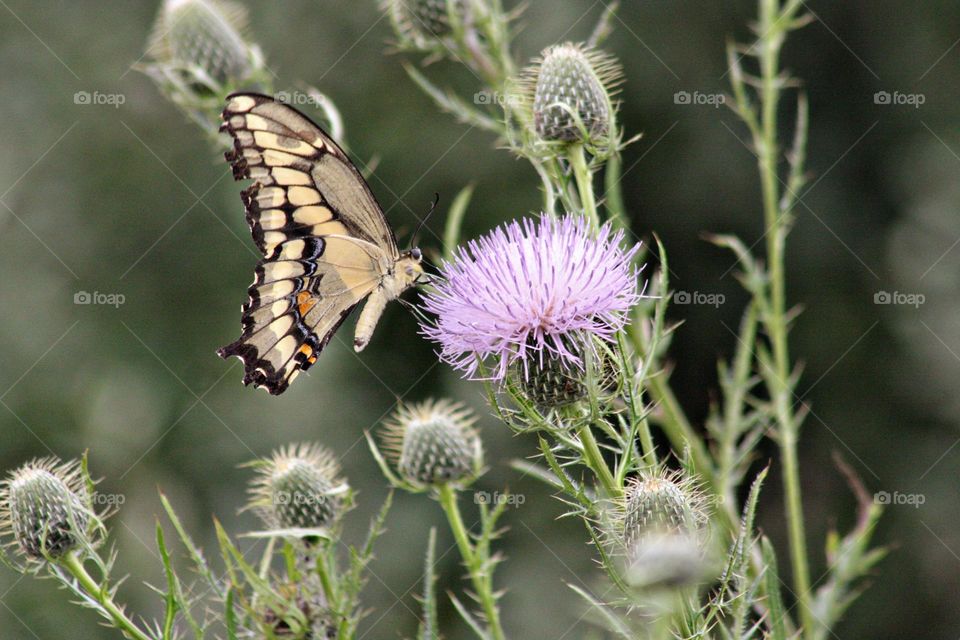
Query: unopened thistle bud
(45, 506)
(657, 503)
(204, 35)
(572, 85)
(298, 490)
(198, 55)
(421, 23)
(434, 443)
(551, 381)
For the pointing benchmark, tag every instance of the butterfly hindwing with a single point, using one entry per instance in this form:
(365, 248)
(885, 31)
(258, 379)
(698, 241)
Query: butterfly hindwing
(325, 241)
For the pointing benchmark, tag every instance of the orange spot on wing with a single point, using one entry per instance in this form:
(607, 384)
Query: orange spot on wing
(305, 302)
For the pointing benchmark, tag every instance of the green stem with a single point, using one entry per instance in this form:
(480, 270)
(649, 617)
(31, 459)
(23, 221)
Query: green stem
(772, 39)
(74, 565)
(584, 177)
(594, 459)
(481, 578)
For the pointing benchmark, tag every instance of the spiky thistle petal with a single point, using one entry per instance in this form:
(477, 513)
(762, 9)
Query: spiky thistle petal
(433, 442)
(45, 508)
(298, 490)
(526, 289)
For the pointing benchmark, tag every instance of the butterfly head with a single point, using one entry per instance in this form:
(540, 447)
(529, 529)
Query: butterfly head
(409, 269)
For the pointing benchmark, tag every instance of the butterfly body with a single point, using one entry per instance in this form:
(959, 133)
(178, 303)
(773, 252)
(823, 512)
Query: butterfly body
(326, 244)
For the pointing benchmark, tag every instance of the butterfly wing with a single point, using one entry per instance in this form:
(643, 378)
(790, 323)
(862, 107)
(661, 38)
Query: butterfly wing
(325, 241)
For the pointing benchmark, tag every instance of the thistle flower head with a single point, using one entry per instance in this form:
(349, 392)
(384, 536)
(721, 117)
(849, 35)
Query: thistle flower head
(298, 490)
(203, 35)
(433, 443)
(420, 23)
(45, 506)
(571, 87)
(660, 502)
(527, 290)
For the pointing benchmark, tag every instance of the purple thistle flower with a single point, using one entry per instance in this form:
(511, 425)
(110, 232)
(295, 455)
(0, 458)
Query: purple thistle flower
(530, 287)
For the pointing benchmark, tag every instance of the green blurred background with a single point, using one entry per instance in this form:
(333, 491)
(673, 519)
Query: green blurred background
(133, 201)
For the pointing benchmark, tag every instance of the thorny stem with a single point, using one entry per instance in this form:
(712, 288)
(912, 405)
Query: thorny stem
(772, 30)
(594, 459)
(480, 576)
(101, 594)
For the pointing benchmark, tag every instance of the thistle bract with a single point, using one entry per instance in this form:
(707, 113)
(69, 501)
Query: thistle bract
(549, 381)
(530, 288)
(572, 86)
(45, 506)
(433, 443)
(298, 490)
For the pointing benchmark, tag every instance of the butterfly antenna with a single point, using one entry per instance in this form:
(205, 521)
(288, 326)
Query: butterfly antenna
(433, 206)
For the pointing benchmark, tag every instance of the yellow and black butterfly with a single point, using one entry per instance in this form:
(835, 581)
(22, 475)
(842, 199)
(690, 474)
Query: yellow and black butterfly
(326, 243)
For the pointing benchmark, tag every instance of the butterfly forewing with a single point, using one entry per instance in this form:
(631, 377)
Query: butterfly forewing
(325, 241)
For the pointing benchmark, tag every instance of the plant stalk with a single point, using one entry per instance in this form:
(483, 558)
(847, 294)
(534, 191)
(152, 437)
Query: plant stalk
(481, 579)
(74, 565)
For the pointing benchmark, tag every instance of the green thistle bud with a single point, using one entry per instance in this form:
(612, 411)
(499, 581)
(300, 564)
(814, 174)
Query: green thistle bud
(298, 490)
(434, 443)
(422, 22)
(550, 382)
(204, 35)
(571, 86)
(660, 503)
(45, 506)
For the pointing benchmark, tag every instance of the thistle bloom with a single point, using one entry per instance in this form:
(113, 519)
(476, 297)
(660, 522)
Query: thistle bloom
(531, 289)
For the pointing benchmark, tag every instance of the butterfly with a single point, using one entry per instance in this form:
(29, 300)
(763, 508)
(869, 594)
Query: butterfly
(325, 241)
